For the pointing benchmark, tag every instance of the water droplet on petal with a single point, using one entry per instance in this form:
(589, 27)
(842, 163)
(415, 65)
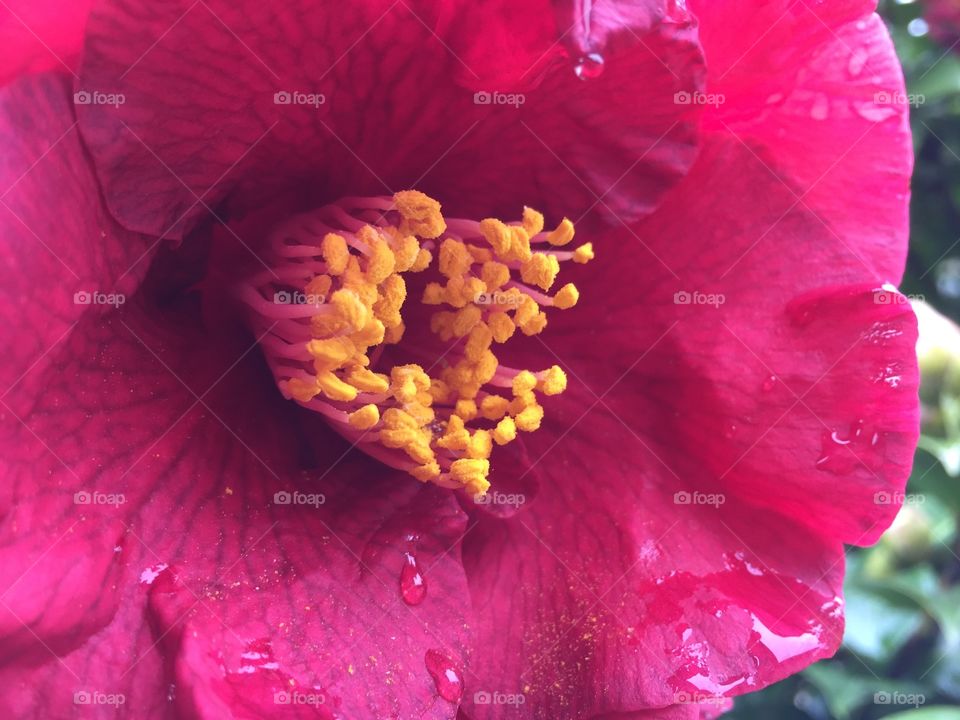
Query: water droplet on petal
(413, 586)
(785, 647)
(148, 575)
(874, 112)
(769, 383)
(445, 674)
(730, 431)
(856, 62)
(589, 66)
(821, 107)
(843, 451)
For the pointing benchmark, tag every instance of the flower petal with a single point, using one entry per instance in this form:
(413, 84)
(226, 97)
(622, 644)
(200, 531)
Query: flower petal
(40, 35)
(205, 590)
(224, 102)
(820, 86)
(679, 480)
(58, 239)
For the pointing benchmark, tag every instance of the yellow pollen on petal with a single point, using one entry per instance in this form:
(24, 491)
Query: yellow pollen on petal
(365, 418)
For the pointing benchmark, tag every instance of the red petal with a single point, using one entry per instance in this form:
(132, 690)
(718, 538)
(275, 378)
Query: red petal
(203, 583)
(58, 239)
(39, 35)
(821, 87)
(392, 115)
(673, 400)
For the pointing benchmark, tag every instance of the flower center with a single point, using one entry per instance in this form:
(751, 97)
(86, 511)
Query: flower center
(331, 303)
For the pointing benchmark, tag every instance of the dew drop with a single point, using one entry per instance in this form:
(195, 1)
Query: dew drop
(821, 107)
(843, 451)
(413, 586)
(784, 647)
(769, 383)
(589, 66)
(874, 112)
(148, 575)
(856, 62)
(730, 431)
(445, 675)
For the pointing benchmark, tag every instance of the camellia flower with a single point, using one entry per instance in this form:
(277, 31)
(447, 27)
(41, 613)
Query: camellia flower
(432, 360)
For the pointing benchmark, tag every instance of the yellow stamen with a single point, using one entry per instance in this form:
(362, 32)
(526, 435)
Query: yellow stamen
(365, 418)
(441, 428)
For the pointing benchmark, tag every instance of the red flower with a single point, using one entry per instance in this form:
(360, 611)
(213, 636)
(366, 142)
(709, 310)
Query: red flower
(179, 540)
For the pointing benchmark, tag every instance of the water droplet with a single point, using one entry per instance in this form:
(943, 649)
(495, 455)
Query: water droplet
(589, 66)
(821, 107)
(769, 383)
(445, 675)
(785, 647)
(842, 452)
(413, 586)
(730, 431)
(874, 112)
(856, 62)
(148, 575)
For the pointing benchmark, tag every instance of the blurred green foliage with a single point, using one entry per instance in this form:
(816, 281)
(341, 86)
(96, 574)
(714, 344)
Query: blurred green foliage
(900, 658)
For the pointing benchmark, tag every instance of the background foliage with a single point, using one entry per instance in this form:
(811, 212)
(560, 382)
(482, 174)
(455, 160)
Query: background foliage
(901, 652)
